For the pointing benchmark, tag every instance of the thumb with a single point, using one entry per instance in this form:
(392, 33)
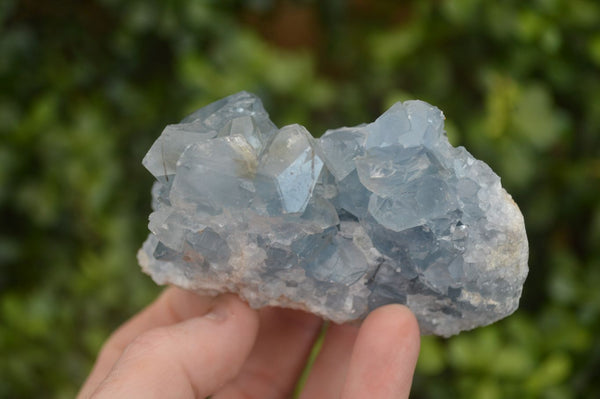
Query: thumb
(191, 359)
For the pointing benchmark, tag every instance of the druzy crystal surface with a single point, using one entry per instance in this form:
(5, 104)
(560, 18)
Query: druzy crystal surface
(385, 212)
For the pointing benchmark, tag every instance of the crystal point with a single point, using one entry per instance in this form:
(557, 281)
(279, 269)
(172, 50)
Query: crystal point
(387, 212)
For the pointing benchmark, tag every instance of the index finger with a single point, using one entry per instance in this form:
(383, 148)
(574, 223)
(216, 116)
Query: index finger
(172, 306)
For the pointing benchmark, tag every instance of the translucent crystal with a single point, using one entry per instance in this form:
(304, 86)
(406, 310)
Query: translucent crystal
(386, 212)
(339, 148)
(293, 166)
(214, 175)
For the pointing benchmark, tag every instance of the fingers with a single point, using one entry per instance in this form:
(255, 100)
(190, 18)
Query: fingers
(385, 355)
(284, 342)
(328, 373)
(188, 352)
(173, 306)
(193, 358)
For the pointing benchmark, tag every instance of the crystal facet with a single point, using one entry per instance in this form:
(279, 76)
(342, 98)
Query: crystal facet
(386, 212)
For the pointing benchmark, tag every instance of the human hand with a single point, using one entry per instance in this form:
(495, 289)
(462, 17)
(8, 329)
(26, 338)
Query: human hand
(189, 346)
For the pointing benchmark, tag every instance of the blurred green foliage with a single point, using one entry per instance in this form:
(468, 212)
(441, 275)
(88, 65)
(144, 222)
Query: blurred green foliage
(86, 86)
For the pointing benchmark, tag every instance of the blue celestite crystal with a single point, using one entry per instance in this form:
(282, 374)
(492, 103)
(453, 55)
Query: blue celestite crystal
(386, 212)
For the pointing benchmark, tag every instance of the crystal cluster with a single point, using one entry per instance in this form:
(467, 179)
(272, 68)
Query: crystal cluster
(386, 212)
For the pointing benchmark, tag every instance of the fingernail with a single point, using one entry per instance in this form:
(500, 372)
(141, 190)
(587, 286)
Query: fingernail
(217, 312)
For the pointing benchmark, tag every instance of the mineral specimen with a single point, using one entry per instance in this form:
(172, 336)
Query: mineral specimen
(386, 212)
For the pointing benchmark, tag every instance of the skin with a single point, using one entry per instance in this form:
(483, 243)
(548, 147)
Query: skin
(189, 346)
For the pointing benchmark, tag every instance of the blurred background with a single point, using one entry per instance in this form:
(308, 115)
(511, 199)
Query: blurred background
(87, 86)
